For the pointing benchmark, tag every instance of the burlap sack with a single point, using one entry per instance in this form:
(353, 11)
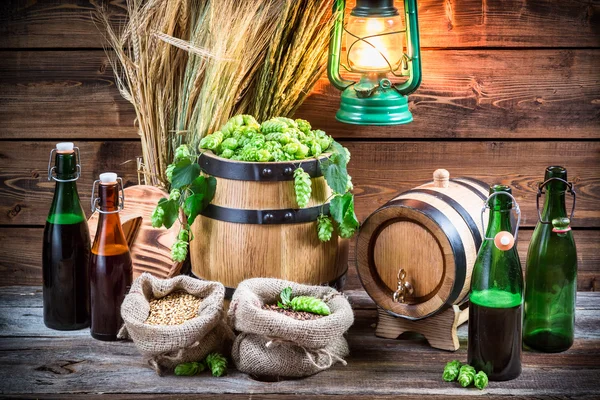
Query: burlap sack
(276, 345)
(166, 346)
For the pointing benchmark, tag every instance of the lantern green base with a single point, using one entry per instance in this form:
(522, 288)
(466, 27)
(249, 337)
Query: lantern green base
(383, 107)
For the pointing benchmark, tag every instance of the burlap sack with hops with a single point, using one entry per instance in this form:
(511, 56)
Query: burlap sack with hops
(165, 346)
(271, 344)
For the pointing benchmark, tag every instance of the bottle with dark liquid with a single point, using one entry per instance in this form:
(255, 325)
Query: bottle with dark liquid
(110, 261)
(496, 296)
(66, 247)
(551, 270)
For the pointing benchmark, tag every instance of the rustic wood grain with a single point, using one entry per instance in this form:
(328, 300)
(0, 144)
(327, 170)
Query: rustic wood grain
(35, 360)
(483, 94)
(380, 170)
(450, 23)
(21, 261)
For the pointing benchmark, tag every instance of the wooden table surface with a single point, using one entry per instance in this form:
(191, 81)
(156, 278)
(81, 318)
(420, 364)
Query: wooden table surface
(36, 362)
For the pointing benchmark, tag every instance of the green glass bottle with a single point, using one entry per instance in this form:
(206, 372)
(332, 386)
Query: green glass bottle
(66, 247)
(551, 283)
(496, 296)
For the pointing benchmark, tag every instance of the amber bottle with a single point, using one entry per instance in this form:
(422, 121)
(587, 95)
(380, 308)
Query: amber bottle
(110, 260)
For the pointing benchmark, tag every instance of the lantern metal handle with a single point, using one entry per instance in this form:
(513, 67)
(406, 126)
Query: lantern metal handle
(412, 60)
(515, 207)
(541, 186)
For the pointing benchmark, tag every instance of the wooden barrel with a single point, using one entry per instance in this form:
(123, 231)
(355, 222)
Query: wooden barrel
(432, 233)
(253, 227)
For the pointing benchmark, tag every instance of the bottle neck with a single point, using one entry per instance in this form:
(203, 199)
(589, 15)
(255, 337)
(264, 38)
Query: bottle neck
(110, 238)
(554, 205)
(500, 220)
(66, 208)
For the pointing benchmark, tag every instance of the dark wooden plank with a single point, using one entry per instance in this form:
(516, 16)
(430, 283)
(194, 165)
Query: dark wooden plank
(483, 94)
(450, 23)
(21, 262)
(77, 364)
(380, 170)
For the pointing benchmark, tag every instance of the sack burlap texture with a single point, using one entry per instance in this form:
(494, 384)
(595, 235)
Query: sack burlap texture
(276, 345)
(165, 346)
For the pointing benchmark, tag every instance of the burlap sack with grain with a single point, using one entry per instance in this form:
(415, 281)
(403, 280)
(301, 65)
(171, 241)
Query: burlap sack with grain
(166, 346)
(271, 344)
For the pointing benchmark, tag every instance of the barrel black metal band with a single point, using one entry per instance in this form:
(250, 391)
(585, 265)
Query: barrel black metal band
(482, 184)
(337, 284)
(260, 217)
(477, 237)
(471, 188)
(257, 171)
(458, 249)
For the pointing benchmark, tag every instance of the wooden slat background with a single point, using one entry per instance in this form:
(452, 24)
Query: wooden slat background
(509, 88)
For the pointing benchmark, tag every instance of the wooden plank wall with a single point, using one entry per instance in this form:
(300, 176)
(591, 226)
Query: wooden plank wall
(509, 88)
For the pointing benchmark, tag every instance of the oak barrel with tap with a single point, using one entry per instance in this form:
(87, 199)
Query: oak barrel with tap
(254, 228)
(415, 254)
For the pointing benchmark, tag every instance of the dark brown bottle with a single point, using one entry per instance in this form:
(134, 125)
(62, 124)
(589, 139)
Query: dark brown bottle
(66, 247)
(110, 261)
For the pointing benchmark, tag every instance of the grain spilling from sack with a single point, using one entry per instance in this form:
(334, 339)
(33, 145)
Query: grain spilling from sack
(173, 309)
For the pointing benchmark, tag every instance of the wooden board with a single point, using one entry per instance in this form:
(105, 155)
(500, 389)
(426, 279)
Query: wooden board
(21, 261)
(449, 23)
(150, 247)
(73, 365)
(484, 94)
(380, 170)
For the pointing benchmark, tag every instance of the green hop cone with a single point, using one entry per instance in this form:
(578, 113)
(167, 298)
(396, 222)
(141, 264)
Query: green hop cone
(229, 143)
(346, 231)
(174, 195)
(249, 120)
(179, 250)
(466, 375)
(217, 364)
(324, 228)
(290, 123)
(212, 141)
(481, 380)
(182, 152)
(227, 153)
(302, 152)
(263, 155)
(451, 371)
(302, 186)
(189, 369)
(272, 125)
(291, 148)
(349, 184)
(315, 148)
(310, 304)
(169, 172)
(303, 125)
(184, 235)
(157, 217)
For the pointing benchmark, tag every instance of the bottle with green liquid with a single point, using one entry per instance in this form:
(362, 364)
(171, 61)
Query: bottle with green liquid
(496, 296)
(66, 246)
(551, 283)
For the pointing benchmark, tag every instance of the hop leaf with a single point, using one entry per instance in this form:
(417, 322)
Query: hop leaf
(451, 371)
(157, 217)
(324, 228)
(189, 369)
(302, 186)
(179, 250)
(310, 304)
(286, 297)
(481, 380)
(466, 375)
(217, 364)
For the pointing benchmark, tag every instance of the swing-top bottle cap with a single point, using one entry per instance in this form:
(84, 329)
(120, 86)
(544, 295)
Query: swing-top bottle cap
(108, 177)
(64, 147)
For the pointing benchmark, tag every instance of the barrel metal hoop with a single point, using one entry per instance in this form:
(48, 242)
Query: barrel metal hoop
(265, 217)
(458, 250)
(471, 188)
(338, 284)
(258, 171)
(483, 185)
(477, 237)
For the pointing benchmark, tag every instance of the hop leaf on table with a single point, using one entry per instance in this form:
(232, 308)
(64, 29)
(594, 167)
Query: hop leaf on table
(302, 186)
(466, 375)
(217, 364)
(189, 369)
(481, 380)
(451, 371)
(324, 228)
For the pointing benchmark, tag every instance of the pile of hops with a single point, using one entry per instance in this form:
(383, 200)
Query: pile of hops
(278, 139)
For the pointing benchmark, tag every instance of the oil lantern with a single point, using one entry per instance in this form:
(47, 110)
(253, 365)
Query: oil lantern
(380, 48)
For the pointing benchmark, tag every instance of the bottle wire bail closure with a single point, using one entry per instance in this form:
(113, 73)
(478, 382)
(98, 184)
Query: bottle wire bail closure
(503, 240)
(52, 169)
(95, 200)
(541, 186)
